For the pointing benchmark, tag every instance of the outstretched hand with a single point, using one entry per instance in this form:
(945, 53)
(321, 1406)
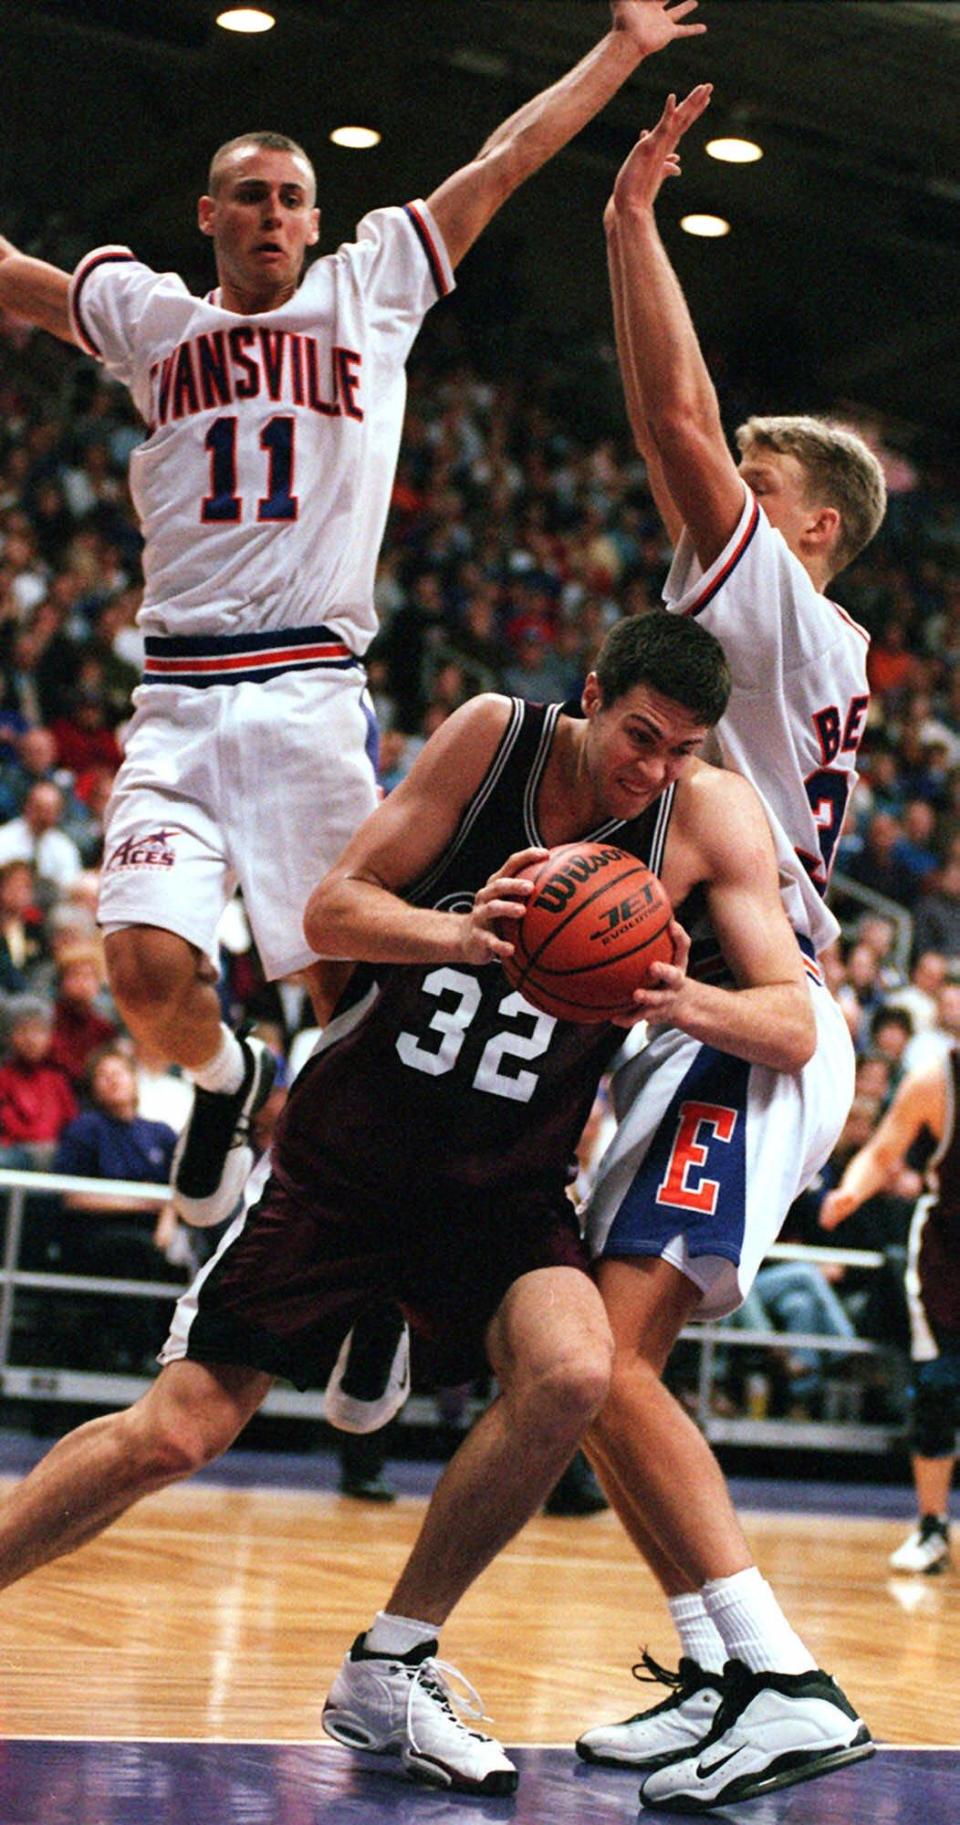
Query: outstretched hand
(654, 23)
(655, 156)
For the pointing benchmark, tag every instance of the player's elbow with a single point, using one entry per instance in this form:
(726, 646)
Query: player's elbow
(679, 424)
(322, 920)
(797, 1032)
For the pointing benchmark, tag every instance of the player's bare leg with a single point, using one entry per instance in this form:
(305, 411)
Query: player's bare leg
(187, 1418)
(165, 989)
(666, 1483)
(165, 992)
(549, 1346)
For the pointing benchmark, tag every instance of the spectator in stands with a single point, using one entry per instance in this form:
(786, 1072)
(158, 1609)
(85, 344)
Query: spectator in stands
(933, 1044)
(35, 760)
(21, 927)
(937, 914)
(36, 1100)
(101, 1237)
(36, 837)
(916, 849)
(877, 867)
(797, 1296)
(891, 1030)
(918, 995)
(79, 1028)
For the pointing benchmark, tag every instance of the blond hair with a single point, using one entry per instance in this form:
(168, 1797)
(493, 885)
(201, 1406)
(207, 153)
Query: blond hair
(841, 472)
(269, 142)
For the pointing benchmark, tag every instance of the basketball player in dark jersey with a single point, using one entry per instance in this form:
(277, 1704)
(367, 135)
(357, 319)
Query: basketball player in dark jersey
(925, 1104)
(423, 1154)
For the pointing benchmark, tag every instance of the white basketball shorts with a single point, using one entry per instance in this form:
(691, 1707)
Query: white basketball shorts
(260, 784)
(710, 1152)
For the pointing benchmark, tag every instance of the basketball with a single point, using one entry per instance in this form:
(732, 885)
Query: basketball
(593, 926)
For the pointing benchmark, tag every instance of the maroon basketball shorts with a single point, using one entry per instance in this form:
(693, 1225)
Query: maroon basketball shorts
(291, 1276)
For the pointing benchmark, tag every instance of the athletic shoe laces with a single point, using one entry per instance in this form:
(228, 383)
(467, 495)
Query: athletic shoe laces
(651, 1672)
(434, 1677)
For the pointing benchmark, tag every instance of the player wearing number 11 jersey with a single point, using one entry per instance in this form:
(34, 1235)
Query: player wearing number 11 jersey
(273, 409)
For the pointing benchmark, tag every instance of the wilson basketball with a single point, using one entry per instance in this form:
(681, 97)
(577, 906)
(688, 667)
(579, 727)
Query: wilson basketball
(593, 926)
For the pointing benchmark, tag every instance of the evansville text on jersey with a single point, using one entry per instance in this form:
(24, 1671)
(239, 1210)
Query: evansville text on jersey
(217, 367)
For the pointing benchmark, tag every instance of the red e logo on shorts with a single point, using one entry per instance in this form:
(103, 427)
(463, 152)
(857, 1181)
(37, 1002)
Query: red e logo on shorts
(689, 1153)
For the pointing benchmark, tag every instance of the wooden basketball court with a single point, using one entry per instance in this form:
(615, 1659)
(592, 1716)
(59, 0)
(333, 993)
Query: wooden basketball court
(184, 1658)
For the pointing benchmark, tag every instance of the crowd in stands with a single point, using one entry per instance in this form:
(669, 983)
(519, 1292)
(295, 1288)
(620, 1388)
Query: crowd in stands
(521, 528)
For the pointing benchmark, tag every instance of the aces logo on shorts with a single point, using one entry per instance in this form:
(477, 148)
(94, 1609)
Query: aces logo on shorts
(152, 850)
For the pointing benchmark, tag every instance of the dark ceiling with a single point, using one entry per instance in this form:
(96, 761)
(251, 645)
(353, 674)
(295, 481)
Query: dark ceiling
(840, 278)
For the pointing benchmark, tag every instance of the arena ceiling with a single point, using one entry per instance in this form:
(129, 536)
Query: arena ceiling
(841, 276)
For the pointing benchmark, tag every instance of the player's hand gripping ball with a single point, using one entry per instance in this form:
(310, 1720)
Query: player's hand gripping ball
(595, 922)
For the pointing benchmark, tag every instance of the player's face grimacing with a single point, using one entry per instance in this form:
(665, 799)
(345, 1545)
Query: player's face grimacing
(262, 220)
(635, 748)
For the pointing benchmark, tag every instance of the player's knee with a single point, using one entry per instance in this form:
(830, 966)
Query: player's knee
(571, 1390)
(149, 971)
(174, 1439)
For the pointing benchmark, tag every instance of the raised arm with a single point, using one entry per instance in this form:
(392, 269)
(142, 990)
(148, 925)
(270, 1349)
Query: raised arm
(35, 290)
(670, 397)
(920, 1103)
(358, 912)
(467, 201)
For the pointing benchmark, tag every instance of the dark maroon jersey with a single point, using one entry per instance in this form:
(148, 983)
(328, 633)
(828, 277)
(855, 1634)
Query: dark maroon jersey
(935, 1238)
(442, 1074)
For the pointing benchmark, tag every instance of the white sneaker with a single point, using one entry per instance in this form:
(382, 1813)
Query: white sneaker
(403, 1705)
(667, 1731)
(371, 1377)
(771, 1730)
(927, 1549)
(213, 1158)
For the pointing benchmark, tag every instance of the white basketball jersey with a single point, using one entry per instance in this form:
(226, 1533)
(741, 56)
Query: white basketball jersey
(264, 482)
(799, 701)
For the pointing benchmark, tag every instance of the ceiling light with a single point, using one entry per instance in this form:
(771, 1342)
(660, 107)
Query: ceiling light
(359, 139)
(246, 19)
(734, 151)
(710, 227)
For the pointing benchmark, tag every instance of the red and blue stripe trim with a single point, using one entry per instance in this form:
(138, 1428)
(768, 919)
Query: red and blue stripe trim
(203, 659)
(101, 256)
(427, 242)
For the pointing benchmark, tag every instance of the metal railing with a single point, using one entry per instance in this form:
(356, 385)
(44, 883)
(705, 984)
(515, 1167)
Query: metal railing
(81, 1385)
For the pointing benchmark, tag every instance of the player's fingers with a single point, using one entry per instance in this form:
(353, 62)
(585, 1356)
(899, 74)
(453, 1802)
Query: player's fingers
(523, 858)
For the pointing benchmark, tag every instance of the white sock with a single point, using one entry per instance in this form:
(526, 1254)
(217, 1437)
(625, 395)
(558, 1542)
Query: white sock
(752, 1625)
(398, 1634)
(223, 1073)
(699, 1639)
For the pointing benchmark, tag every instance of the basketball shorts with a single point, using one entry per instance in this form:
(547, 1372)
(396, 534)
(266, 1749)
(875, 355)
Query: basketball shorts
(710, 1152)
(932, 1282)
(256, 784)
(290, 1276)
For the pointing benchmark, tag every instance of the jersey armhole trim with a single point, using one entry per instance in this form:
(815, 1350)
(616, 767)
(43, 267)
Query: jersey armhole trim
(716, 582)
(102, 256)
(436, 261)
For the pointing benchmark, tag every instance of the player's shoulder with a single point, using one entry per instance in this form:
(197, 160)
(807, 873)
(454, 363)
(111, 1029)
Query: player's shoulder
(716, 804)
(481, 722)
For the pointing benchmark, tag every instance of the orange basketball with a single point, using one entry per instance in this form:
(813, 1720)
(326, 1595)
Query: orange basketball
(596, 922)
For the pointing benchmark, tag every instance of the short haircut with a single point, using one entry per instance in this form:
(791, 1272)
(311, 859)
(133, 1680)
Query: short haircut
(674, 655)
(841, 472)
(270, 142)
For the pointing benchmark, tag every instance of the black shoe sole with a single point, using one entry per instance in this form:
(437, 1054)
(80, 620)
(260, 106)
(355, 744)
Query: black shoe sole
(787, 1771)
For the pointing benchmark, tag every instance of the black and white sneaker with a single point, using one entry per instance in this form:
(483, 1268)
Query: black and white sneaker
(403, 1705)
(667, 1731)
(926, 1549)
(213, 1157)
(770, 1730)
(370, 1379)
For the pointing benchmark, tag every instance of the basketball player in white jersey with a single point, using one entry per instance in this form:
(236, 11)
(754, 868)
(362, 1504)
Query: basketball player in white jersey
(274, 409)
(708, 1157)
